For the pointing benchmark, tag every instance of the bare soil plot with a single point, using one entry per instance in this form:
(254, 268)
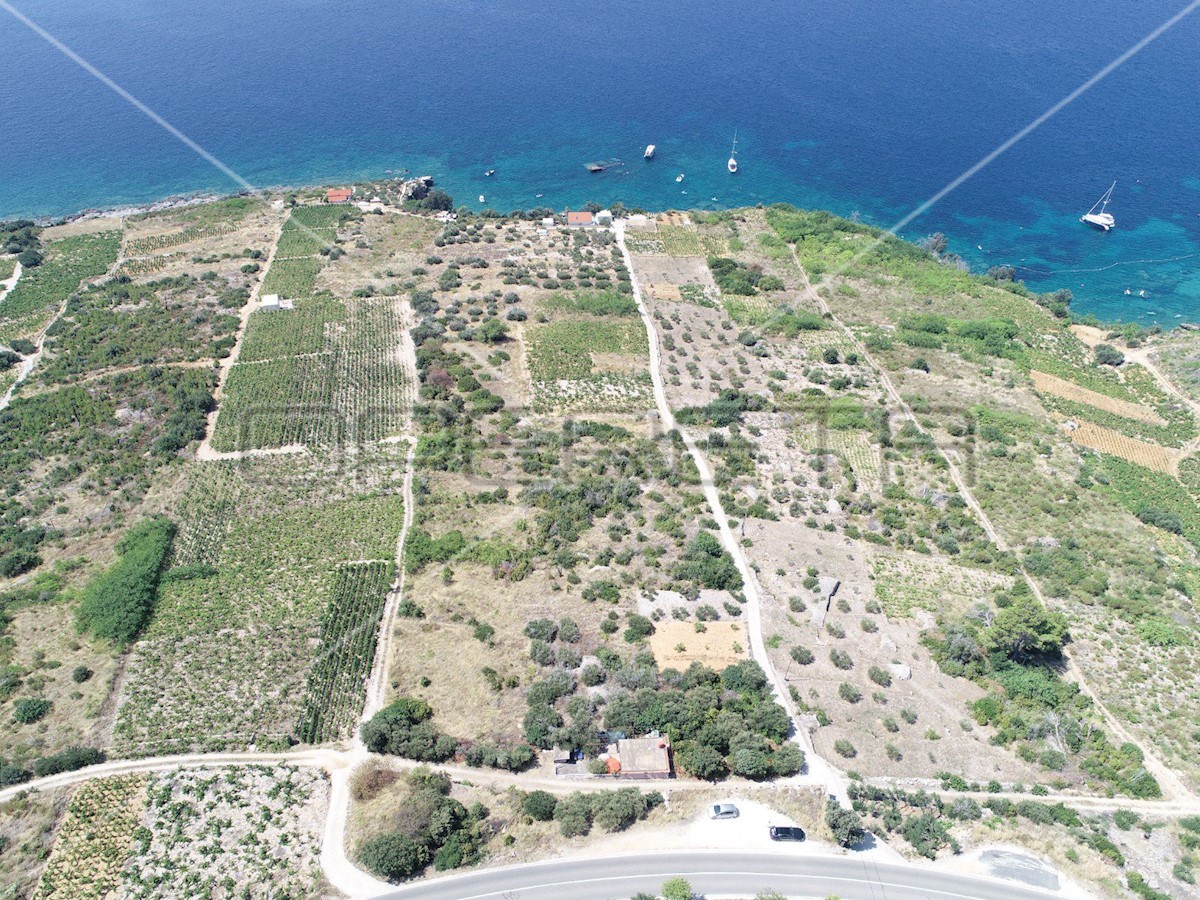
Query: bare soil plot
(674, 270)
(1106, 440)
(1068, 390)
(672, 217)
(679, 644)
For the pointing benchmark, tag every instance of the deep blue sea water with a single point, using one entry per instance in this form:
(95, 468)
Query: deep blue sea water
(855, 106)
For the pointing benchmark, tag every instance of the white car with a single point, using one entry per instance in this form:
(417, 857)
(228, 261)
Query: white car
(724, 811)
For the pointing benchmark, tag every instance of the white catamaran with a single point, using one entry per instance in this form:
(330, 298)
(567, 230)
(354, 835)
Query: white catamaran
(1102, 219)
(732, 164)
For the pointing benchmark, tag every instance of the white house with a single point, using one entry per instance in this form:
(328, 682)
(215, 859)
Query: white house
(604, 217)
(268, 302)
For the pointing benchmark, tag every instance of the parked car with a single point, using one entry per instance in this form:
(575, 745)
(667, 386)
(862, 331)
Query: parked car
(786, 833)
(724, 811)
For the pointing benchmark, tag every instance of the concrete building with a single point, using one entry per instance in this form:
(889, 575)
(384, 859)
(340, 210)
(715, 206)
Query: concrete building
(646, 757)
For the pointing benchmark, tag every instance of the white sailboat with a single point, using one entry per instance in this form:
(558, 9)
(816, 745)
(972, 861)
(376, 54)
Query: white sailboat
(1102, 219)
(732, 164)
(649, 154)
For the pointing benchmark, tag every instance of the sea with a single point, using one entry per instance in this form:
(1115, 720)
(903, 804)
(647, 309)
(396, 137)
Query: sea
(863, 107)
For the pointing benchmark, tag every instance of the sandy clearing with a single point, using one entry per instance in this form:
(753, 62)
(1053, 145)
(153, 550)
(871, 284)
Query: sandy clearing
(1088, 334)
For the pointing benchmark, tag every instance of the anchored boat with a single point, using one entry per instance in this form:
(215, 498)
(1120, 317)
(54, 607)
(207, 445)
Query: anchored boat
(1102, 219)
(649, 154)
(602, 165)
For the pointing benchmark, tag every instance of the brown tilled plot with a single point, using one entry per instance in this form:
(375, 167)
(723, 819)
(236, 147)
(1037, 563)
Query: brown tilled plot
(719, 646)
(1069, 390)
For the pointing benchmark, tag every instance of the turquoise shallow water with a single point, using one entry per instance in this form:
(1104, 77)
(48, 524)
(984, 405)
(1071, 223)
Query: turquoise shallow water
(850, 105)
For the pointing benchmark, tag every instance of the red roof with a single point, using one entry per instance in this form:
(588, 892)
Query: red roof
(339, 195)
(579, 218)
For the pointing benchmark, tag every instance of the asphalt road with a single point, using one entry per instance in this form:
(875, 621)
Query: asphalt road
(713, 875)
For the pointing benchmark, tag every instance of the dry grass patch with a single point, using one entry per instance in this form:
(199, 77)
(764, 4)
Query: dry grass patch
(678, 644)
(668, 293)
(27, 836)
(82, 226)
(48, 650)
(1106, 440)
(1068, 390)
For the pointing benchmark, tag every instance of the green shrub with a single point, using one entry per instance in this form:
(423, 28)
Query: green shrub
(394, 856)
(539, 805)
(880, 676)
(118, 602)
(802, 655)
(849, 693)
(31, 710)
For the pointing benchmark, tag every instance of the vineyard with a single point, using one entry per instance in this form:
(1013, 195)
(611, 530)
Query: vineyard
(295, 241)
(270, 335)
(94, 841)
(605, 392)
(30, 305)
(1114, 443)
(909, 581)
(278, 563)
(151, 243)
(645, 244)
(1069, 390)
(854, 446)
(324, 374)
(308, 231)
(332, 400)
(293, 277)
(245, 831)
(349, 631)
(748, 310)
(563, 350)
(178, 700)
(148, 265)
(680, 241)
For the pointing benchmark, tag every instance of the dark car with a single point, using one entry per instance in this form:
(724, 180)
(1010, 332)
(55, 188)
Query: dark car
(786, 833)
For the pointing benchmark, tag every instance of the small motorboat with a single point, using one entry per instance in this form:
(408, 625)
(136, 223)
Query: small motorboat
(482, 199)
(489, 173)
(679, 178)
(732, 165)
(649, 154)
